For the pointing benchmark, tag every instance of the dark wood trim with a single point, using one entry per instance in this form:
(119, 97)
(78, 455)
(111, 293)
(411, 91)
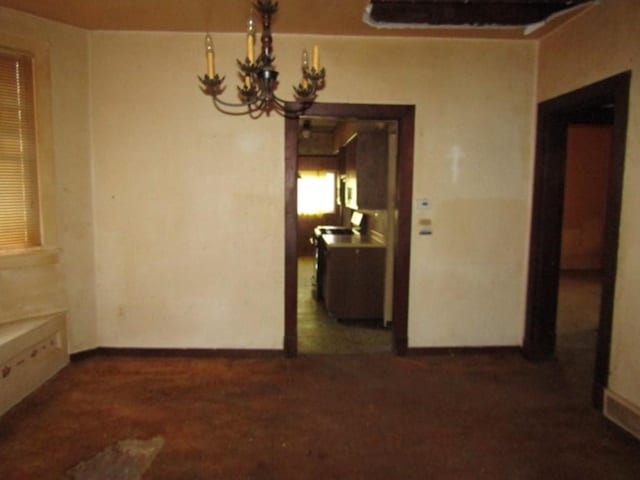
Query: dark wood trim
(620, 87)
(404, 114)
(452, 351)
(175, 352)
(546, 228)
(291, 237)
(554, 115)
(83, 355)
(597, 390)
(621, 431)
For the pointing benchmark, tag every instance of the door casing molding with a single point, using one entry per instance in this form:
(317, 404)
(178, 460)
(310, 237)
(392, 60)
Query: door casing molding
(554, 115)
(405, 116)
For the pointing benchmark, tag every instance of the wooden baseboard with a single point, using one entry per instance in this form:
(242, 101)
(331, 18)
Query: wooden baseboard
(84, 354)
(263, 353)
(622, 413)
(291, 346)
(597, 396)
(176, 352)
(463, 350)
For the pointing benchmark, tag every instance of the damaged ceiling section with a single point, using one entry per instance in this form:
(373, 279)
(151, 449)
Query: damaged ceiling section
(466, 13)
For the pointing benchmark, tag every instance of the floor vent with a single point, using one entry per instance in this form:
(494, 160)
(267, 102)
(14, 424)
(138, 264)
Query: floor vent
(623, 413)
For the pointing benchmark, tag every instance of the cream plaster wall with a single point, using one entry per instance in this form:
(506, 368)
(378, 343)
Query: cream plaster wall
(189, 203)
(46, 287)
(600, 43)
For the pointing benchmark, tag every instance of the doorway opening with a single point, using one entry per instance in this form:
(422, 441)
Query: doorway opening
(608, 98)
(402, 119)
(584, 212)
(346, 232)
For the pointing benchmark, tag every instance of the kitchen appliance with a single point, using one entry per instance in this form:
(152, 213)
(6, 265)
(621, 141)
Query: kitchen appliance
(358, 224)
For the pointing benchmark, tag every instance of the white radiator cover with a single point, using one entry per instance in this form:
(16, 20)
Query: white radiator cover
(31, 352)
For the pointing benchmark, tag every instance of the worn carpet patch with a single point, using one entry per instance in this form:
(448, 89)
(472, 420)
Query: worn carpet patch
(126, 460)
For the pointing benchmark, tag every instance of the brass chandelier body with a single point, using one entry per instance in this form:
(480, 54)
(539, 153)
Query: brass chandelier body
(260, 78)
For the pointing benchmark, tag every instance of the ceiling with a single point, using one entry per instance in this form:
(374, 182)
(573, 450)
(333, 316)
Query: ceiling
(469, 13)
(433, 18)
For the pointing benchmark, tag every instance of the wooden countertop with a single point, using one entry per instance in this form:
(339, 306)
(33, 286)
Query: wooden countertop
(353, 241)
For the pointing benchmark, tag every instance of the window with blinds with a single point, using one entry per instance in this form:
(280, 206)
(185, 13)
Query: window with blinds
(19, 212)
(316, 192)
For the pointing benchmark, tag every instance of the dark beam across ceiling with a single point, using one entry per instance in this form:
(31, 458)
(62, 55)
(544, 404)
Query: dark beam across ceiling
(468, 12)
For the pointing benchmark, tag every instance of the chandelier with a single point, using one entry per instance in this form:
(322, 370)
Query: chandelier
(259, 76)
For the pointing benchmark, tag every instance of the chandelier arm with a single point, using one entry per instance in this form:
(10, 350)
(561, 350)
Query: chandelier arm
(294, 113)
(256, 113)
(256, 110)
(234, 105)
(278, 104)
(285, 108)
(261, 104)
(277, 100)
(217, 103)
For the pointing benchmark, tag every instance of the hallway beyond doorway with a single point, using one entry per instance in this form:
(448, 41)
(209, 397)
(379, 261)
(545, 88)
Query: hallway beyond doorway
(579, 296)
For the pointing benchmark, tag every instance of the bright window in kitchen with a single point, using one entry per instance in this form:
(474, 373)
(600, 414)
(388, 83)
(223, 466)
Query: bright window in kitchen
(316, 192)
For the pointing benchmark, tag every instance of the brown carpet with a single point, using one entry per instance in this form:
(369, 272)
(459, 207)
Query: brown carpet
(319, 417)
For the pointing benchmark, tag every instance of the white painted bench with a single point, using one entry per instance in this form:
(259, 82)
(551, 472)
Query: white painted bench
(31, 352)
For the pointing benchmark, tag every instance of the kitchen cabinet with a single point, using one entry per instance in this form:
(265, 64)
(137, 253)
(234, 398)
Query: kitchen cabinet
(366, 169)
(354, 280)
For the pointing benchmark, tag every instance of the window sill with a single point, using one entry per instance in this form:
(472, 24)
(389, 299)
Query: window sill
(31, 257)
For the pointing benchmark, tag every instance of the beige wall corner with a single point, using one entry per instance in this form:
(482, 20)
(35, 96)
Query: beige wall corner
(601, 43)
(62, 59)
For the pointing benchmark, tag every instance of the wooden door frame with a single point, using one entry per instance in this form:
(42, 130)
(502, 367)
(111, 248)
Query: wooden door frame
(405, 116)
(554, 115)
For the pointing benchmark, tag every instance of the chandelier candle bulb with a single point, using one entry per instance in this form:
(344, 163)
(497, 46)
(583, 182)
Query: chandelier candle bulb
(211, 69)
(250, 52)
(250, 37)
(316, 56)
(305, 66)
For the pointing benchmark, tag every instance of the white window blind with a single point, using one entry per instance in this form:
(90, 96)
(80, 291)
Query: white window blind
(19, 212)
